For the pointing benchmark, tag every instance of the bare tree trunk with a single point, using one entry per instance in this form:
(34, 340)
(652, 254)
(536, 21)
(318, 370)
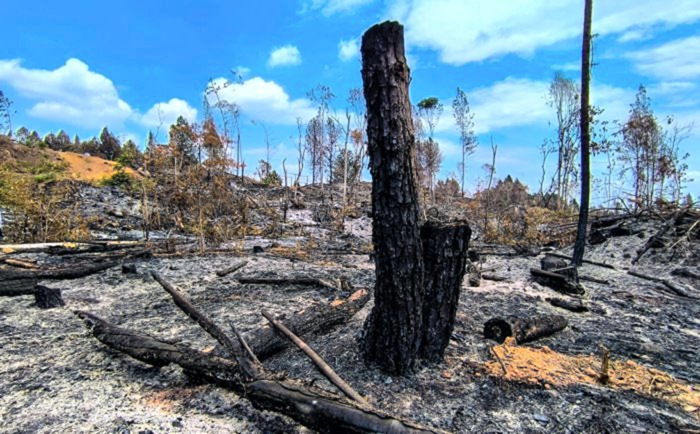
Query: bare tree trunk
(585, 137)
(393, 329)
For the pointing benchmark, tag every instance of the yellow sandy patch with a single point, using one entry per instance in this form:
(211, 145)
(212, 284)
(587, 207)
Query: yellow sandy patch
(89, 168)
(545, 366)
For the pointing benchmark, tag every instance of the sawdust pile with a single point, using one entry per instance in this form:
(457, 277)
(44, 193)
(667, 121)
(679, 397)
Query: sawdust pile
(543, 366)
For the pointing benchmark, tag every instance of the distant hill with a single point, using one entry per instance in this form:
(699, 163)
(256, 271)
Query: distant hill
(70, 164)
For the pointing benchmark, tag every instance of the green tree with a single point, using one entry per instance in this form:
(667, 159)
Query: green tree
(109, 146)
(182, 143)
(5, 114)
(130, 155)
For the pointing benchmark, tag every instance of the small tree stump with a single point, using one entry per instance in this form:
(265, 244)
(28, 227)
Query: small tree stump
(47, 298)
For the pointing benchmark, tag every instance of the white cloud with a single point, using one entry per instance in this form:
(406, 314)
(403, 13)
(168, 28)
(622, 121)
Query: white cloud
(72, 93)
(349, 50)
(508, 103)
(242, 71)
(568, 66)
(675, 60)
(331, 7)
(634, 35)
(517, 102)
(165, 114)
(463, 31)
(266, 101)
(288, 55)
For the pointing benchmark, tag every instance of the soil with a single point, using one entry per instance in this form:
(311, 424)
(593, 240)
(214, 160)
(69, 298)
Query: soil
(55, 377)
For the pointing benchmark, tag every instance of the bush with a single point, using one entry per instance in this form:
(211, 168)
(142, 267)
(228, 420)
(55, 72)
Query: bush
(119, 179)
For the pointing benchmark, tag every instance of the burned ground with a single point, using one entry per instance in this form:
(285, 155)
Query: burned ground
(55, 377)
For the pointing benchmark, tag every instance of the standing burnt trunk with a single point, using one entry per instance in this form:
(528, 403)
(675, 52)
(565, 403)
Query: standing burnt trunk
(445, 257)
(393, 329)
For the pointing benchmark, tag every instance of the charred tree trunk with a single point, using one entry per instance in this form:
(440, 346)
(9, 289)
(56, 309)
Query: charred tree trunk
(393, 329)
(445, 257)
(524, 329)
(585, 137)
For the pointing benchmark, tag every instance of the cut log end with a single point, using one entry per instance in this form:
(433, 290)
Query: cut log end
(48, 298)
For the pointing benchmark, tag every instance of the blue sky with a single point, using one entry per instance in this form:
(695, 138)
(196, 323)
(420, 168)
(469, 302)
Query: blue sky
(81, 65)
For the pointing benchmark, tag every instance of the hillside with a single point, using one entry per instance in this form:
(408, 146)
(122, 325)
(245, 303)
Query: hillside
(33, 160)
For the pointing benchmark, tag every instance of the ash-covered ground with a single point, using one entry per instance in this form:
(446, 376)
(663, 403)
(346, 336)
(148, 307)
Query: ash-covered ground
(56, 378)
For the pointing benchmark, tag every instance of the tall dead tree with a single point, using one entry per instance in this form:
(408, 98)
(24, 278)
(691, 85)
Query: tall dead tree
(585, 136)
(415, 299)
(393, 329)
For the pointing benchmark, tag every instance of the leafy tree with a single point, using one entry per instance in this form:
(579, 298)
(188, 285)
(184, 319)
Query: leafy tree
(130, 155)
(642, 138)
(430, 110)
(464, 119)
(109, 146)
(354, 165)
(182, 144)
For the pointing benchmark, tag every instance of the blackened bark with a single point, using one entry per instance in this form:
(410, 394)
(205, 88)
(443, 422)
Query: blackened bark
(445, 256)
(393, 328)
(524, 329)
(47, 298)
(13, 288)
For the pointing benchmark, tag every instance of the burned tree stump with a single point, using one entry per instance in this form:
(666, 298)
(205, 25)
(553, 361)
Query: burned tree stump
(393, 330)
(418, 271)
(444, 258)
(523, 329)
(48, 298)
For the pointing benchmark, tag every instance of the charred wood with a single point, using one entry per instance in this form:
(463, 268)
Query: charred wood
(231, 269)
(572, 305)
(319, 318)
(75, 272)
(13, 288)
(524, 329)
(304, 281)
(48, 298)
(557, 282)
(585, 261)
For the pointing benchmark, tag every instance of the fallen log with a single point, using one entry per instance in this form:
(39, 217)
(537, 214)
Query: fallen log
(74, 272)
(231, 269)
(585, 261)
(319, 410)
(673, 286)
(305, 281)
(13, 288)
(266, 342)
(575, 305)
(19, 263)
(594, 280)
(557, 282)
(523, 329)
(494, 277)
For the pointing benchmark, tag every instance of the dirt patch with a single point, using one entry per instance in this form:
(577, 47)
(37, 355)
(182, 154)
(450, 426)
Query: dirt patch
(90, 168)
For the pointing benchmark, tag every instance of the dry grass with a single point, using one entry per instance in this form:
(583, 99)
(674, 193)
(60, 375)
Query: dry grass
(543, 366)
(89, 168)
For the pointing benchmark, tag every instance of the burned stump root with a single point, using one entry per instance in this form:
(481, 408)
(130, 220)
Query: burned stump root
(524, 329)
(47, 298)
(444, 257)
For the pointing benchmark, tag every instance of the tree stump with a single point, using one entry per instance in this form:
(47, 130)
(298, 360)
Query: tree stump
(393, 329)
(444, 258)
(48, 298)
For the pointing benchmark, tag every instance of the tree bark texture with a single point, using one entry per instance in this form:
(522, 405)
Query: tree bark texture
(524, 329)
(444, 258)
(13, 288)
(393, 328)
